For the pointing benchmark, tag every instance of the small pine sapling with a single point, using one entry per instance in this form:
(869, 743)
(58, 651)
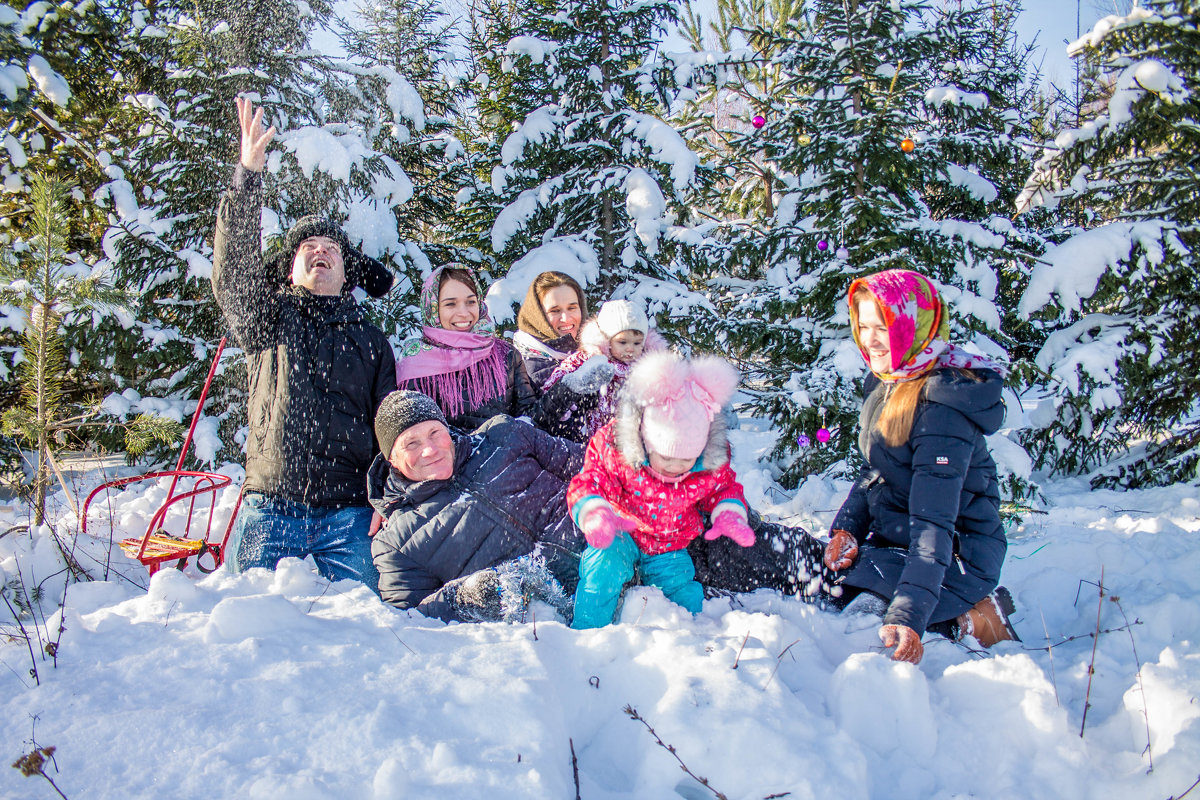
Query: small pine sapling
(53, 285)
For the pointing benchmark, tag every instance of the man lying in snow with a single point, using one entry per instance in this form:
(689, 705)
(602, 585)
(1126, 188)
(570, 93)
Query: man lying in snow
(476, 526)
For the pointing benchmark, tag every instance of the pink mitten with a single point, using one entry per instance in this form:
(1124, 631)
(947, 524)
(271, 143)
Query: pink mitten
(731, 525)
(601, 525)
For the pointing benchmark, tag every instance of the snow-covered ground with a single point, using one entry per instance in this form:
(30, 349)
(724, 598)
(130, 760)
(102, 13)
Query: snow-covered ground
(281, 685)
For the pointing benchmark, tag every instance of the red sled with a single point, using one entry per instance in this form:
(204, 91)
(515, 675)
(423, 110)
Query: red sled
(157, 545)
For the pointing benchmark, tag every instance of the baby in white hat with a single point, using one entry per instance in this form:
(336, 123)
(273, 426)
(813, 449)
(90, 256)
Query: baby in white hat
(580, 395)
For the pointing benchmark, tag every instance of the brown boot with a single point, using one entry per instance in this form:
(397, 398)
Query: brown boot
(988, 621)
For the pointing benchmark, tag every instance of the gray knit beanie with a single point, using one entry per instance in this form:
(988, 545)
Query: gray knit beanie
(398, 412)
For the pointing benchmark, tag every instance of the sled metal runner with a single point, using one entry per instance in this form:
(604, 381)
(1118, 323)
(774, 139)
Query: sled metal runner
(157, 545)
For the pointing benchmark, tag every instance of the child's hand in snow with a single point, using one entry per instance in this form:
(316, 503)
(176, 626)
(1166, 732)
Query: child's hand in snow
(731, 525)
(601, 525)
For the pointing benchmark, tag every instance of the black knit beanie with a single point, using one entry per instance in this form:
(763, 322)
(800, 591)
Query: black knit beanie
(398, 412)
(361, 269)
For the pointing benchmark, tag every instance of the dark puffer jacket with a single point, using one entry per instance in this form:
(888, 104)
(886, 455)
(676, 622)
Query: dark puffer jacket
(539, 363)
(519, 399)
(507, 496)
(318, 369)
(565, 413)
(929, 510)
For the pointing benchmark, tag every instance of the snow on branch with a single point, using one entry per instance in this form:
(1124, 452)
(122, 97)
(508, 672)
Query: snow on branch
(513, 218)
(538, 128)
(12, 80)
(666, 147)
(972, 233)
(646, 206)
(1147, 75)
(657, 296)
(373, 225)
(940, 95)
(714, 67)
(537, 50)
(401, 96)
(321, 149)
(51, 84)
(1071, 271)
(978, 186)
(1111, 23)
(567, 254)
(1093, 347)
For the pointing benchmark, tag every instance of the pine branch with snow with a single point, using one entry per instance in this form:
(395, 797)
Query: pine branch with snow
(1117, 297)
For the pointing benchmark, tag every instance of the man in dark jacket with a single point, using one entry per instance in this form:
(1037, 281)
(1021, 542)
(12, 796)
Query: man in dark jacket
(474, 525)
(317, 370)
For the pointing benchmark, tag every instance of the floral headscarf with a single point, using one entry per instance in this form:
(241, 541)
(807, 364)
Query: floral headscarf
(453, 366)
(917, 323)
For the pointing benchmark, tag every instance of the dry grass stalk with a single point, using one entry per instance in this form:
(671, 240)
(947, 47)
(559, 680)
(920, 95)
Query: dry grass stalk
(1087, 703)
(740, 649)
(633, 714)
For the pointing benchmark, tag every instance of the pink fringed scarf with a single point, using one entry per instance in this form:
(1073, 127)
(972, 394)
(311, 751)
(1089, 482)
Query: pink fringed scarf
(460, 370)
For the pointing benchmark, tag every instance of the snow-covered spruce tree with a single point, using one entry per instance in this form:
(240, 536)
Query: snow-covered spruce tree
(166, 179)
(985, 109)
(1123, 295)
(596, 165)
(50, 285)
(55, 95)
(501, 98)
(868, 147)
(415, 40)
(59, 100)
(734, 77)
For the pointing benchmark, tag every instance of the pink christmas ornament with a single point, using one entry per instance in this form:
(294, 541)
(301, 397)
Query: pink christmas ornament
(758, 121)
(823, 435)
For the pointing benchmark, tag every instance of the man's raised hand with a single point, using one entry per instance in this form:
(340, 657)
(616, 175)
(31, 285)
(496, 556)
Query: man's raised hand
(254, 137)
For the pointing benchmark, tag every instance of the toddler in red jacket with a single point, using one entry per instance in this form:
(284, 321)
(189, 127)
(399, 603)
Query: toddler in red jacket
(649, 478)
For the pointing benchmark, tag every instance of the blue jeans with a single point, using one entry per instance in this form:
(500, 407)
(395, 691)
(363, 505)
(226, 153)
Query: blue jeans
(603, 573)
(270, 528)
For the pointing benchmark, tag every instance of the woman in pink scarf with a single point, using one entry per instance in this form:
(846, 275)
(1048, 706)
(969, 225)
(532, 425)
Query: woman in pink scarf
(919, 538)
(458, 360)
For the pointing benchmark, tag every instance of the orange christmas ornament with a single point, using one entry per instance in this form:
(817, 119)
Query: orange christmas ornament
(908, 145)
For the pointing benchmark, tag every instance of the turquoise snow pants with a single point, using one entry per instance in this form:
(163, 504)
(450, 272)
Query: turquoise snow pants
(603, 573)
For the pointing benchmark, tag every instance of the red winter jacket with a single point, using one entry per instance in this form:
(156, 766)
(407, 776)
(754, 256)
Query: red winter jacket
(668, 514)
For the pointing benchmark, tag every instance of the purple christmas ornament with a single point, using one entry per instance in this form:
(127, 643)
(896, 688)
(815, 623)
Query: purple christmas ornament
(842, 253)
(803, 441)
(822, 245)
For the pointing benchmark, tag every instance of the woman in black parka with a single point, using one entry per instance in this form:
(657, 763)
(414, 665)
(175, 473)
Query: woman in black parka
(921, 528)
(474, 525)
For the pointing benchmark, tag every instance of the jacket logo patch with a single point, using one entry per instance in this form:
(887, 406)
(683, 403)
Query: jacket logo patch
(942, 461)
